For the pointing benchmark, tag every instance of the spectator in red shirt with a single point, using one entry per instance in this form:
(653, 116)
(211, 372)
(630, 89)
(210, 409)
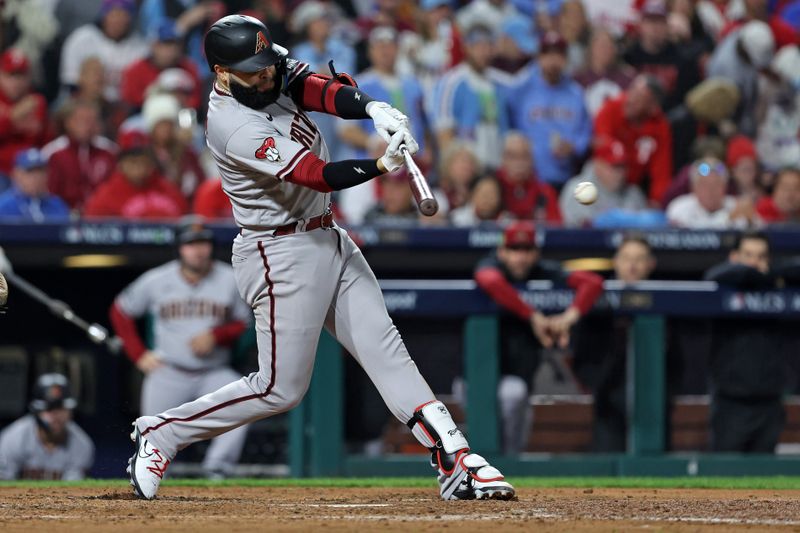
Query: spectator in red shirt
(23, 113)
(524, 196)
(79, 160)
(211, 202)
(635, 118)
(166, 51)
(136, 190)
(172, 149)
(783, 207)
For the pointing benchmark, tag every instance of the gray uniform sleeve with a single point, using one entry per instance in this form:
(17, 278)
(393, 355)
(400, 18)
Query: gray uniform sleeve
(136, 298)
(10, 461)
(81, 454)
(265, 151)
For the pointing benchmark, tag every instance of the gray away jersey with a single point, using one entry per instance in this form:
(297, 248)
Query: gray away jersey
(23, 456)
(180, 310)
(256, 149)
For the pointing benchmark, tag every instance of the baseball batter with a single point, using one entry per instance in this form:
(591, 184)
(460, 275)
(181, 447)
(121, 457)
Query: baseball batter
(197, 314)
(295, 267)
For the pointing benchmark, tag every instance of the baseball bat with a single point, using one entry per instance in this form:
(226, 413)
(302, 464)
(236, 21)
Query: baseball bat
(426, 202)
(97, 333)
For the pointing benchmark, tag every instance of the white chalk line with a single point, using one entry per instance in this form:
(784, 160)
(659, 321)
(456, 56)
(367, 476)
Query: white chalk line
(513, 515)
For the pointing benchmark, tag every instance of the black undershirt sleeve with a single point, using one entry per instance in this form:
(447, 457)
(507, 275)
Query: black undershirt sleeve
(351, 103)
(349, 173)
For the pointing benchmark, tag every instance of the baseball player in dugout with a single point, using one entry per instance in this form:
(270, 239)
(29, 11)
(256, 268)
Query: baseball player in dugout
(46, 443)
(295, 267)
(524, 330)
(197, 314)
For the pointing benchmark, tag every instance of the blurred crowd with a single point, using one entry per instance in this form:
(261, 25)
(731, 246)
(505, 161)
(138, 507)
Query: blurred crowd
(682, 112)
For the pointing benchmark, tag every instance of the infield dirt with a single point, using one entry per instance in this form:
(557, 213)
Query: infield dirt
(233, 509)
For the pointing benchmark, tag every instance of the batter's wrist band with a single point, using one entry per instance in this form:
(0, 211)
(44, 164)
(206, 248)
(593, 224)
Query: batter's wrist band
(349, 173)
(351, 102)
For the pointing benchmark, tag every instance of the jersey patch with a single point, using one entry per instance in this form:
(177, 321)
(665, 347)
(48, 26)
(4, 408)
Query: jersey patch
(261, 42)
(268, 151)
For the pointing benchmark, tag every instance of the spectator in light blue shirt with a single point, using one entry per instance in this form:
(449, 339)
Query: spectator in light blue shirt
(314, 20)
(382, 82)
(467, 102)
(548, 107)
(28, 198)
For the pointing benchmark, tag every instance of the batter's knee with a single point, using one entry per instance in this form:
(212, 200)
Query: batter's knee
(512, 390)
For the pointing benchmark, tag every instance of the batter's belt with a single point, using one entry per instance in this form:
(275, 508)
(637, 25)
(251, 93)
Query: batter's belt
(325, 220)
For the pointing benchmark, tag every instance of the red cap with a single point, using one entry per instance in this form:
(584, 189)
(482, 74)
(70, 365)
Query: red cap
(14, 61)
(552, 41)
(738, 148)
(520, 234)
(132, 141)
(611, 151)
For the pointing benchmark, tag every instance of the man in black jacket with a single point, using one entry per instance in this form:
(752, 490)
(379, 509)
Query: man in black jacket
(747, 365)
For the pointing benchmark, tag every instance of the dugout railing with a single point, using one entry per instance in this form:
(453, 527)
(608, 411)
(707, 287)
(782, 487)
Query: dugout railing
(317, 425)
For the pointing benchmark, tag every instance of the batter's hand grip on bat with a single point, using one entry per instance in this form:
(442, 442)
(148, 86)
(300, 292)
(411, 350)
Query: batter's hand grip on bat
(426, 202)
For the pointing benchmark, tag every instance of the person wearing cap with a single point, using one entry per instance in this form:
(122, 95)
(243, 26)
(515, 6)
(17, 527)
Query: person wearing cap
(525, 331)
(608, 172)
(740, 57)
(171, 144)
(635, 118)
(46, 443)
(136, 189)
(516, 45)
(166, 52)
(192, 18)
(81, 159)
(381, 81)
(708, 205)
(112, 38)
(548, 107)
(655, 54)
(198, 316)
(28, 199)
(468, 103)
(23, 113)
(604, 75)
(493, 13)
(313, 22)
(525, 196)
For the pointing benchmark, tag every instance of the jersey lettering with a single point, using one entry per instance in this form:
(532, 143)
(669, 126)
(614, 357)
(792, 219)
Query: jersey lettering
(303, 130)
(268, 151)
(193, 309)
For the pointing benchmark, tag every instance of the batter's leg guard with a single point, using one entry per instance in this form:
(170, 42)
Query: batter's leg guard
(462, 475)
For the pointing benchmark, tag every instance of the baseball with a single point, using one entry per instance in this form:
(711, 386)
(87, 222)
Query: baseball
(585, 192)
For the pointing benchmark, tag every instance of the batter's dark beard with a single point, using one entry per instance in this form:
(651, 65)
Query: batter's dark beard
(252, 97)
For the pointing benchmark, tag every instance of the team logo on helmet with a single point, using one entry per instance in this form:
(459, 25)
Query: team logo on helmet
(261, 42)
(268, 151)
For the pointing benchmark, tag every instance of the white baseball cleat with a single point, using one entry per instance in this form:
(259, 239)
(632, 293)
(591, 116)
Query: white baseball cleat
(473, 478)
(146, 468)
